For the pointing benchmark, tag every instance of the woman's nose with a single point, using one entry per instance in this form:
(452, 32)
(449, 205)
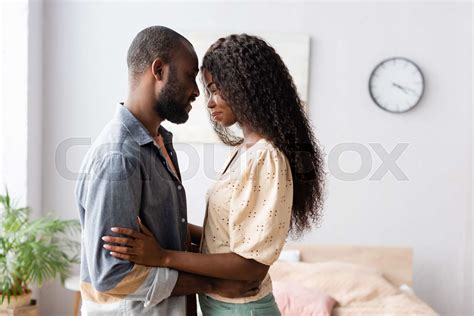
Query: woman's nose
(210, 103)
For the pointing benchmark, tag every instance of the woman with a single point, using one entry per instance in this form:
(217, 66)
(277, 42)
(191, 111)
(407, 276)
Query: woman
(271, 184)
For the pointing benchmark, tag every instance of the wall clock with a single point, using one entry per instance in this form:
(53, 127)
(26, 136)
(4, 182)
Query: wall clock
(396, 85)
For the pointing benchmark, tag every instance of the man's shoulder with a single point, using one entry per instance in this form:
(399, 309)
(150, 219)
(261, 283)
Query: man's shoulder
(114, 148)
(116, 139)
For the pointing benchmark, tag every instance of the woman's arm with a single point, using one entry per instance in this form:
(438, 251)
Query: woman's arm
(225, 265)
(196, 233)
(142, 248)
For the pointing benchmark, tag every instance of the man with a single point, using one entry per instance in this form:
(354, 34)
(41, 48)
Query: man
(132, 171)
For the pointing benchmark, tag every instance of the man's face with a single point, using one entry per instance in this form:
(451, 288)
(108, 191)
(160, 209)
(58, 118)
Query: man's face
(173, 102)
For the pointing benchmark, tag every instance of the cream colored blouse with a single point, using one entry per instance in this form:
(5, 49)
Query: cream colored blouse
(249, 208)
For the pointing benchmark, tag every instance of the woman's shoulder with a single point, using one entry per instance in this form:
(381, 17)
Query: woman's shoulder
(266, 147)
(264, 152)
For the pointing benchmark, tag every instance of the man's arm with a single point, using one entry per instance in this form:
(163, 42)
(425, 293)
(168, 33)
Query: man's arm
(191, 284)
(113, 198)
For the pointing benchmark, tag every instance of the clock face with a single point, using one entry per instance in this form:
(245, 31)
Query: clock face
(396, 85)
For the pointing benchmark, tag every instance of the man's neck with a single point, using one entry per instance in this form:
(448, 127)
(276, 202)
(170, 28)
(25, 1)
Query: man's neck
(144, 113)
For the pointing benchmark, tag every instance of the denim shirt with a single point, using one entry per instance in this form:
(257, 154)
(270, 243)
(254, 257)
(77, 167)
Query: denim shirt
(124, 175)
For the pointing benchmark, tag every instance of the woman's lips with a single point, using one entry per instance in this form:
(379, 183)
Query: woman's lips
(216, 115)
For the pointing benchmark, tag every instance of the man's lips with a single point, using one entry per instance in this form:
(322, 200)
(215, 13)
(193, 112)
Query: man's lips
(189, 106)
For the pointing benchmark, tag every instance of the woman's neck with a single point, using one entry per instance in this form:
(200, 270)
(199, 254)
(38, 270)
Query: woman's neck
(250, 136)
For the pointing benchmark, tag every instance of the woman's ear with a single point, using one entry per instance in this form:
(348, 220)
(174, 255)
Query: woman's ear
(157, 69)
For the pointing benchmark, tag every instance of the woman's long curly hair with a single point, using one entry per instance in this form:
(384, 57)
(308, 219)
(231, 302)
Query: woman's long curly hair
(254, 81)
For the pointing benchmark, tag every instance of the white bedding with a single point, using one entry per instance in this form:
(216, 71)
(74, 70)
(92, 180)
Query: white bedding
(358, 290)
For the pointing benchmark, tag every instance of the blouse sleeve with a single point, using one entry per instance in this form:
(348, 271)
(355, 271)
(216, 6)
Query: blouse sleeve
(260, 208)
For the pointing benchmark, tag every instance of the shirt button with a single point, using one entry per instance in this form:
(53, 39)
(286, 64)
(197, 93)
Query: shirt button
(183, 220)
(180, 187)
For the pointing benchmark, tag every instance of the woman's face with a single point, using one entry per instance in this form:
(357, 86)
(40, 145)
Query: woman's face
(218, 107)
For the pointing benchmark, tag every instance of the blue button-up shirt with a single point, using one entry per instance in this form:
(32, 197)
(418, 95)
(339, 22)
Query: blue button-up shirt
(124, 175)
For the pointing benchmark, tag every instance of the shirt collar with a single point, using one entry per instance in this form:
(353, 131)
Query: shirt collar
(167, 135)
(138, 132)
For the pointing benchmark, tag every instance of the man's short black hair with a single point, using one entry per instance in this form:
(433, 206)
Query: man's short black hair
(149, 44)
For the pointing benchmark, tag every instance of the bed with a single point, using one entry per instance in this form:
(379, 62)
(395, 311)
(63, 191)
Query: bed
(361, 280)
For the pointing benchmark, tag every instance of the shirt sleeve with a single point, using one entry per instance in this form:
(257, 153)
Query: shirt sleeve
(260, 208)
(112, 199)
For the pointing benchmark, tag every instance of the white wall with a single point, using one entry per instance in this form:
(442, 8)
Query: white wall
(34, 118)
(14, 99)
(20, 102)
(1, 97)
(84, 51)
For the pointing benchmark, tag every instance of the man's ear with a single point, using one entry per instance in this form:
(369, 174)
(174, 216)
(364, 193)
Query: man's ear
(157, 69)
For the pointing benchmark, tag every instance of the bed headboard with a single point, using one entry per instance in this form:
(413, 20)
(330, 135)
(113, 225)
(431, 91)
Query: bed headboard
(394, 262)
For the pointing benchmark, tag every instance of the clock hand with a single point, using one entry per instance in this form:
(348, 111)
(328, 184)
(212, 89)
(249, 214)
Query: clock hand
(411, 90)
(404, 89)
(400, 87)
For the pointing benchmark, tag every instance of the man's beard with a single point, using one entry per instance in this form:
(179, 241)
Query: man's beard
(167, 105)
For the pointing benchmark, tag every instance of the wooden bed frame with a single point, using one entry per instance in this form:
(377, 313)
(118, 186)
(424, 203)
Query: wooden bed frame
(394, 262)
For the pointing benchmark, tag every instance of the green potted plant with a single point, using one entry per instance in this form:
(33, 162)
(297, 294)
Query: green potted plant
(32, 251)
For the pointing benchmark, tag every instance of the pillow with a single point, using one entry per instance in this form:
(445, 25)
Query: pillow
(295, 300)
(405, 288)
(290, 255)
(344, 282)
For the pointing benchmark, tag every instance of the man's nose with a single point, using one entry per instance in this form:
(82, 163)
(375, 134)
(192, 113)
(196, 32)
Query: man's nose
(196, 90)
